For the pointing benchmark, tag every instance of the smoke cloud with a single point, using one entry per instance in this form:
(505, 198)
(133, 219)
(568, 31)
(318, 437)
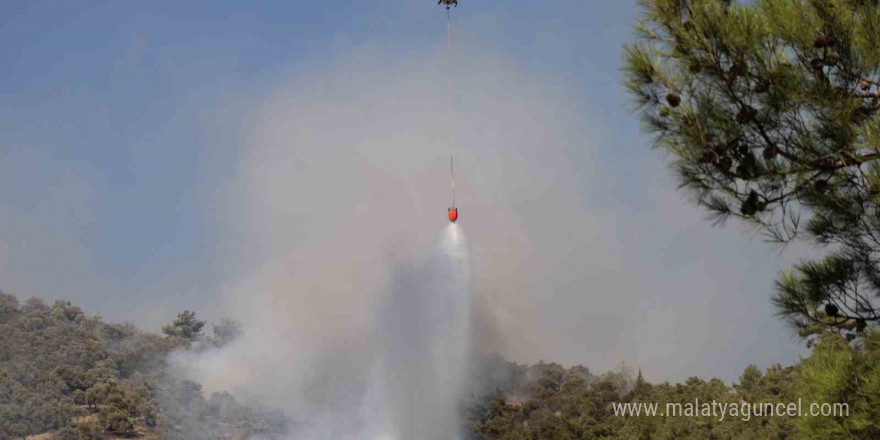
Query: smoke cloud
(342, 186)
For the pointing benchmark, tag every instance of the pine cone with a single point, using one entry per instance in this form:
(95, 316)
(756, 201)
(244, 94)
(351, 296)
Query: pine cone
(707, 157)
(746, 114)
(763, 86)
(738, 68)
(673, 99)
(831, 309)
(750, 206)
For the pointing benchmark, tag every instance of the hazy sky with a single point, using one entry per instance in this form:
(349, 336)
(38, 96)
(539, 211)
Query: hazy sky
(232, 157)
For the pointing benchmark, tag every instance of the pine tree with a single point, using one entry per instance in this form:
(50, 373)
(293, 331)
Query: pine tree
(769, 111)
(842, 373)
(186, 326)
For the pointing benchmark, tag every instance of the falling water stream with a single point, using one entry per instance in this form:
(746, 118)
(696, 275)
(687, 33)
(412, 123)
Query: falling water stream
(427, 342)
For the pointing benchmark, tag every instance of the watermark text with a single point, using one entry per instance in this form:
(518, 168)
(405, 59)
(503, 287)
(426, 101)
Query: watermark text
(744, 411)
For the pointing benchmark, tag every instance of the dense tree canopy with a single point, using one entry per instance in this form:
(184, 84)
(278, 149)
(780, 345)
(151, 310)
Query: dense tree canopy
(66, 372)
(547, 401)
(769, 111)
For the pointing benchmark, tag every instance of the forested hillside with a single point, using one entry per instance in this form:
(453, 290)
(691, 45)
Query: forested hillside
(547, 401)
(69, 373)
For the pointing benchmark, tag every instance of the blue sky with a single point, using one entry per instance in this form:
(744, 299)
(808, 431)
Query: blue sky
(123, 130)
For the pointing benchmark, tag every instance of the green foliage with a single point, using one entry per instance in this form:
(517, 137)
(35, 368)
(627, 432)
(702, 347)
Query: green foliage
(186, 326)
(547, 401)
(64, 371)
(569, 404)
(81, 431)
(8, 306)
(839, 372)
(769, 111)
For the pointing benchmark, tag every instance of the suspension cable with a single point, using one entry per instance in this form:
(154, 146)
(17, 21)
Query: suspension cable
(451, 98)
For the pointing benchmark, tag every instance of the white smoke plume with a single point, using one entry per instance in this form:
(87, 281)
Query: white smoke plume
(406, 379)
